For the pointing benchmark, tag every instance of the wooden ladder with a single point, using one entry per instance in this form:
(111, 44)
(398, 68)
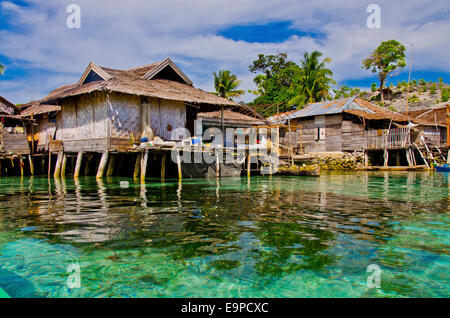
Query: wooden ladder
(421, 154)
(429, 153)
(440, 153)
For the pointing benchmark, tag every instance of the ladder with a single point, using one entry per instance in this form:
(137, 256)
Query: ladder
(440, 153)
(430, 154)
(421, 154)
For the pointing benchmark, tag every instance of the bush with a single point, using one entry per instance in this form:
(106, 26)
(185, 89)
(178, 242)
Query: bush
(422, 81)
(445, 94)
(413, 99)
(373, 87)
(433, 89)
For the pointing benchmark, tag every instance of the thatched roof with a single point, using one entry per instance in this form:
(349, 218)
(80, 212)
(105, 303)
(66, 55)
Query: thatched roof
(230, 117)
(6, 107)
(354, 106)
(134, 81)
(434, 115)
(37, 109)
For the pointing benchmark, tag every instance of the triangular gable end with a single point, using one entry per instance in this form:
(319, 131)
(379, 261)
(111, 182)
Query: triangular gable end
(93, 73)
(168, 70)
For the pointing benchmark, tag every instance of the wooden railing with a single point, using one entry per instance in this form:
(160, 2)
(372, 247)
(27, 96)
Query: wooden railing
(390, 139)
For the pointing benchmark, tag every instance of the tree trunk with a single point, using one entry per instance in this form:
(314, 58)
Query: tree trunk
(381, 91)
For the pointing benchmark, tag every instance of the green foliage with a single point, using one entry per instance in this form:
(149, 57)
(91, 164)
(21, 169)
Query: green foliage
(1, 69)
(226, 85)
(422, 82)
(445, 94)
(413, 99)
(314, 81)
(440, 79)
(433, 89)
(414, 83)
(387, 57)
(373, 87)
(392, 109)
(282, 83)
(345, 92)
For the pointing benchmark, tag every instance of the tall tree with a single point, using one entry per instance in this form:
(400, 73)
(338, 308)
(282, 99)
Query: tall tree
(226, 85)
(1, 69)
(387, 57)
(314, 81)
(275, 75)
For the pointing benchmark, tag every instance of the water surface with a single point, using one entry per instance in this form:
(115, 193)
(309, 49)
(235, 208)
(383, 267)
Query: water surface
(237, 237)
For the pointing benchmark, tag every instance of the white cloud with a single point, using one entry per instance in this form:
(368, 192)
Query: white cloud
(128, 33)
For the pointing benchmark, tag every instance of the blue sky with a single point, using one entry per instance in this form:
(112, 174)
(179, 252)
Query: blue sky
(40, 53)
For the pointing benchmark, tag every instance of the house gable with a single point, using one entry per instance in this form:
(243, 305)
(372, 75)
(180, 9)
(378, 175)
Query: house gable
(169, 71)
(93, 73)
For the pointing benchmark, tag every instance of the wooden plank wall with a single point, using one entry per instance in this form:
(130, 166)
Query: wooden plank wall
(15, 143)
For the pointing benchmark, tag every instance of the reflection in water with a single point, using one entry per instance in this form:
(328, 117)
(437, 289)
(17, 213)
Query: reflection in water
(256, 237)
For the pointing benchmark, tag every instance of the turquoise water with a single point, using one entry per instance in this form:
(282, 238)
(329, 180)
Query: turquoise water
(237, 237)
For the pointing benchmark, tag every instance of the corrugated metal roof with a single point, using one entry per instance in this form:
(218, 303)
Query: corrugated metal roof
(321, 108)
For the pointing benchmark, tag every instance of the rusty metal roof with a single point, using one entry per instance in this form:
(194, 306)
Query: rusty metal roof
(321, 108)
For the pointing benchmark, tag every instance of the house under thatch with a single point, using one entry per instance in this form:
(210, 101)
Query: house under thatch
(352, 124)
(108, 106)
(13, 138)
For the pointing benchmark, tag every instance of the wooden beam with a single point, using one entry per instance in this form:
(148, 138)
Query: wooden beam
(180, 176)
(112, 162)
(76, 173)
(217, 164)
(102, 165)
(57, 172)
(137, 165)
(63, 165)
(144, 161)
(30, 159)
(21, 164)
(248, 166)
(163, 165)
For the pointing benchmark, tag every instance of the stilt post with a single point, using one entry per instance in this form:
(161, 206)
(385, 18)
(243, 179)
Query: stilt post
(76, 173)
(30, 159)
(63, 165)
(102, 165)
(57, 172)
(137, 165)
(144, 161)
(163, 165)
(111, 164)
(179, 166)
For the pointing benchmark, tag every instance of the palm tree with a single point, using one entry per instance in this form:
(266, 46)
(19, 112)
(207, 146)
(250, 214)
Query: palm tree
(1, 69)
(314, 81)
(226, 85)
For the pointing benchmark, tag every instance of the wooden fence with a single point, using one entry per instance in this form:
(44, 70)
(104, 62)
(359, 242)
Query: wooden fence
(391, 139)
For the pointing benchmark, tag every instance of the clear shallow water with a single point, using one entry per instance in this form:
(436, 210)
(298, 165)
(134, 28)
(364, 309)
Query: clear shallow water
(267, 237)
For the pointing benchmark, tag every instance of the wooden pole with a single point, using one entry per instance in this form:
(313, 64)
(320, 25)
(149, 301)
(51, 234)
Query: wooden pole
(49, 163)
(248, 166)
(179, 166)
(87, 168)
(102, 165)
(137, 165)
(57, 172)
(21, 164)
(112, 162)
(163, 165)
(30, 159)
(63, 165)
(217, 165)
(144, 161)
(76, 173)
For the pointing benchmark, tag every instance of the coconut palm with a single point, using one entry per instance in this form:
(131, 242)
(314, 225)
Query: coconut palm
(314, 81)
(226, 85)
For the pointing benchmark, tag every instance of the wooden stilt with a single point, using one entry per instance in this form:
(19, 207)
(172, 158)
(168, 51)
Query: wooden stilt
(137, 165)
(112, 162)
(63, 165)
(76, 172)
(30, 159)
(21, 164)
(144, 161)
(179, 166)
(448, 156)
(57, 172)
(163, 165)
(102, 165)
(217, 165)
(87, 168)
(248, 165)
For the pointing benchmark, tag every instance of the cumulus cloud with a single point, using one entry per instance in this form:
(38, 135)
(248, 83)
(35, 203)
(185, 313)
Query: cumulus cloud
(124, 34)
